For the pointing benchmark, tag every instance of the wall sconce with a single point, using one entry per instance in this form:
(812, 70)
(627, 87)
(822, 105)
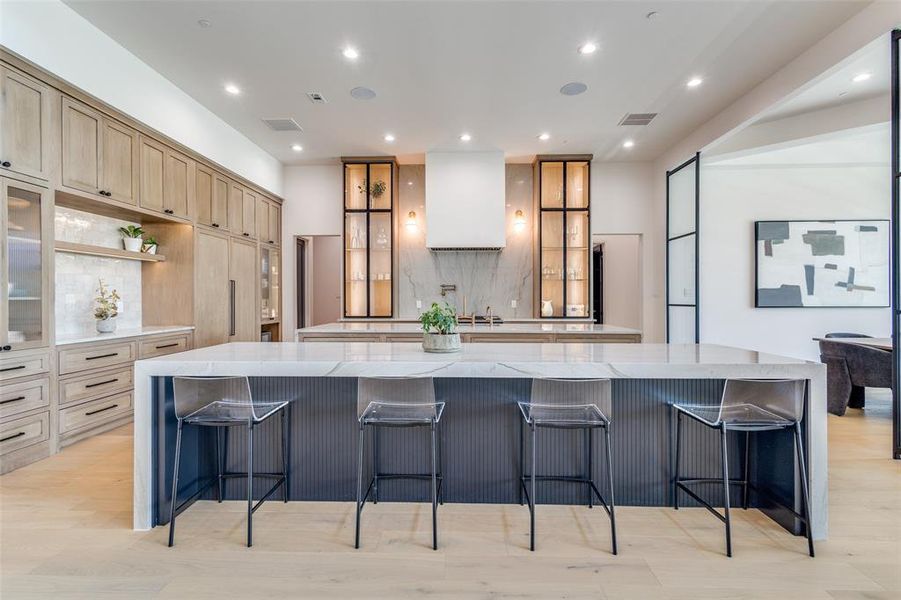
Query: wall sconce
(411, 220)
(519, 221)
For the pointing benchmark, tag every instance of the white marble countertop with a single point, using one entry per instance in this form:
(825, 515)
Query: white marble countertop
(93, 336)
(512, 320)
(355, 359)
(503, 328)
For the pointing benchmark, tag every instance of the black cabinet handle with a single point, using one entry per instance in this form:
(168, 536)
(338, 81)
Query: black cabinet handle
(6, 164)
(100, 410)
(105, 193)
(12, 400)
(6, 348)
(271, 242)
(215, 224)
(172, 345)
(91, 385)
(246, 234)
(231, 302)
(101, 356)
(13, 436)
(16, 368)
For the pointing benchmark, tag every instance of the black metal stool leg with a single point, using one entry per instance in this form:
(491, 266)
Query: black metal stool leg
(440, 465)
(250, 484)
(726, 490)
(612, 507)
(588, 460)
(746, 469)
(434, 489)
(220, 480)
(799, 448)
(359, 487)
(375, 464)
(532, 498)
(522, 460)
(285, 451)
(174, 501)
(678, 452)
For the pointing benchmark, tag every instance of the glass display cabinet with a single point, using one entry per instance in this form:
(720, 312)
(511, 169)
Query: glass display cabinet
(270, 287)
(24, 263)
(564, 236)
(369, 237)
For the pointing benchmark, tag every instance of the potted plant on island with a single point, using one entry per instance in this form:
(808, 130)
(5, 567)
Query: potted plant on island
(150, 245)
(107, 308)
(439, 325)
(131, 237)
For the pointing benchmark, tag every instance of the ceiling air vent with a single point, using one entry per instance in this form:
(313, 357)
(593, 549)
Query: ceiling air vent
(316, 97)
(282, 124)
(637, 118)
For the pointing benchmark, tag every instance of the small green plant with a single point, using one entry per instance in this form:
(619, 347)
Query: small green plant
(150, 241)
(131, 231)
(376, 189)
(107, 303)
(439, 319)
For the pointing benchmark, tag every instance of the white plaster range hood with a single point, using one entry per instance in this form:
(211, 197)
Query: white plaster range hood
(465, 201)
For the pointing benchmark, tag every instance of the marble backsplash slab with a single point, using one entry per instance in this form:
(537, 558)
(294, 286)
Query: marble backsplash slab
(485, 279)
(77, 275)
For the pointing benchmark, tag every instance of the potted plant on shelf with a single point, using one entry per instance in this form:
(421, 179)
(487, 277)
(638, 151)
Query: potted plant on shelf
(106, 309)
(439, 325)
(150, 245)
(131, 237)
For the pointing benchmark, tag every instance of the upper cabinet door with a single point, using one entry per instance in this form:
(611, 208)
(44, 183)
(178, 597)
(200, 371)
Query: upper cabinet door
(262, 217)
(24, 124)
(275, 223)
(178, 190)
(235, 208)
(219, 211)
(249, 218)
(119, 162)
(81, 147)
(152, 157)
(203, 195)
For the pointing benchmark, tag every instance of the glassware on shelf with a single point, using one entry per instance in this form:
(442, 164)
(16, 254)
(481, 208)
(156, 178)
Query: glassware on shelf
(381, 238)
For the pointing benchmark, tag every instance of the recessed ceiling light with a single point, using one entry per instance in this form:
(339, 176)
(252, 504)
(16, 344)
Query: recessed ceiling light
(573, 88)
(350, 53)
(362, 93)
(628, 144)
(232, 89)
(296, 147)
(544, 137)
(588, 48)
(861, 77)
(389, 137)
(204, 23)
(465, 137)
(694, 82)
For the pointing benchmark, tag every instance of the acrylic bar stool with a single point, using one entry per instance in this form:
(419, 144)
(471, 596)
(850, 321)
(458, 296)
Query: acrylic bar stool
(224, 402)
(747, 406)
(398, 402)
(567, 404)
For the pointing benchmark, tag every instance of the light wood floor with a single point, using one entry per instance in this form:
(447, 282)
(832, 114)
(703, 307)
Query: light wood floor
(66, 533)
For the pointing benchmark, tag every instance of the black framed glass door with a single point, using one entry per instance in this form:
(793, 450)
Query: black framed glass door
(682, 302)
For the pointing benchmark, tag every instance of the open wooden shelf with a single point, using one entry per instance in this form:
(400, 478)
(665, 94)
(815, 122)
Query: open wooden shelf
(74, 248)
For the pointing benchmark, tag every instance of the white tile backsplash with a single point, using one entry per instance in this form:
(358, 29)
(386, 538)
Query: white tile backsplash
(77, 275)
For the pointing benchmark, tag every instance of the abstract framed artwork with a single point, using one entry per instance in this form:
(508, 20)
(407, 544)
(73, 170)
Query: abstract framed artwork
(822, 264)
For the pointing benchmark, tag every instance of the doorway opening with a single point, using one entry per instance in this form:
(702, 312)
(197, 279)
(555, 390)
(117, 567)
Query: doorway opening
(617, 279)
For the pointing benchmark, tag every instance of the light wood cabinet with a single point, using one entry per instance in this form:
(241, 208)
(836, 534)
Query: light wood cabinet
(275, 223)
(242, 273)
(152, 160)
(118, 162)
(212, 308)
(249, 219)
(242, 211)
(268, 220)
(210, 198)
(24, 124)
(219, 211)
(178, 184)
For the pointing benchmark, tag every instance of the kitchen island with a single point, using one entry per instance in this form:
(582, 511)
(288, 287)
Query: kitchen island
(480, 428)
(521, 332)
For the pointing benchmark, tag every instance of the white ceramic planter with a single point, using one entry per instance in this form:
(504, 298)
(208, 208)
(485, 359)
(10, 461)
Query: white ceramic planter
(133, 244)
(150, 249)
(436, 342)
(106, 325)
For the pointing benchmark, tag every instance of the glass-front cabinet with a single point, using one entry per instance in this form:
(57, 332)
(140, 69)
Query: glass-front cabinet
(24, 260)
(564, 236)
(369, 238)
(270, 284)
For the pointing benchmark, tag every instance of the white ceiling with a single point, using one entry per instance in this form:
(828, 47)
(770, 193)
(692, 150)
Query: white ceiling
(490, 68)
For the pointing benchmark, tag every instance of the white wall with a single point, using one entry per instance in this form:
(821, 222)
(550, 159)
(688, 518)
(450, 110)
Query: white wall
(622, 279)
(56, 38)
(734, 196)
(313, 206)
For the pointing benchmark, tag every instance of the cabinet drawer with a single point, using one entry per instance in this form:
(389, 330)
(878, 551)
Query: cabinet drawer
(85, 387)
(162, 346)
(95, 412)
(22, 365)
(24, 432)
(17, 398)
(81, 359)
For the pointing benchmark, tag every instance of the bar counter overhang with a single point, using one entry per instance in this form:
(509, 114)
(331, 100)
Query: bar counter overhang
(481, 424)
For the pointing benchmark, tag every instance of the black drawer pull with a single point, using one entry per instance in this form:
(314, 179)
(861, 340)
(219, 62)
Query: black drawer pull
(101, 356)
(13, 436)
(90, 385)
(12, 400)
(172, 345)
(215, 224)
(100, 410)
(16, 368)
(6, 164)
